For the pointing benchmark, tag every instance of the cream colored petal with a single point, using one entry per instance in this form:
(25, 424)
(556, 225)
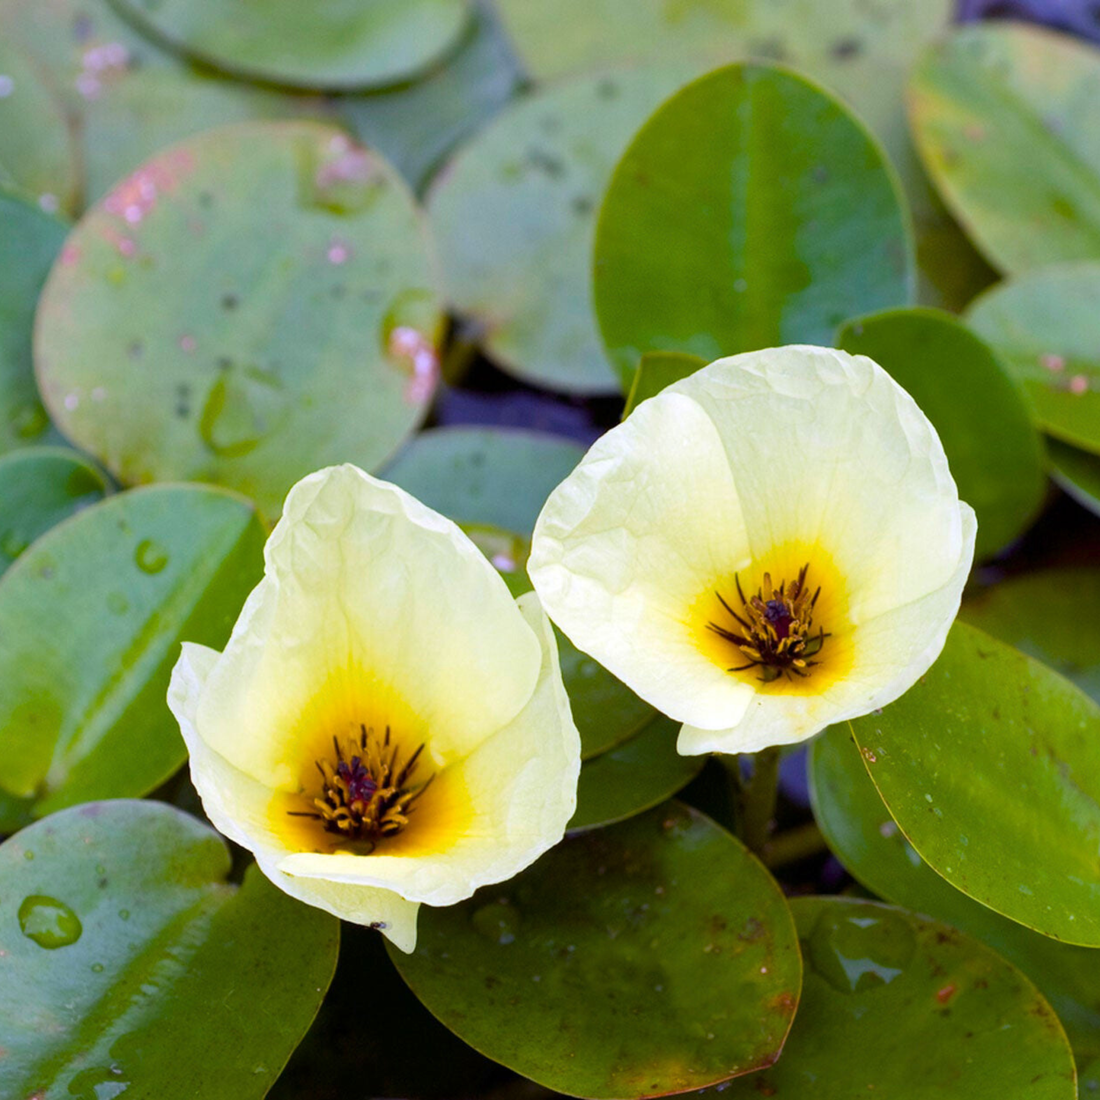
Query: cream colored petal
(630, 540)
(391, 914)
(521, 787)
(826, 448)
(367, 593)
(241, 808)
(891, 652)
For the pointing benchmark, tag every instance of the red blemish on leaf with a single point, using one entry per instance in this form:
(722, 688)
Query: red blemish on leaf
(945, 994)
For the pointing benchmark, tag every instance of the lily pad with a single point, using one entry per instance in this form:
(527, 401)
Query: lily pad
(142, 110)
(993, 97)
(634, 776)
(1077, 473)
(900, 1006)
(867, 841)
(990, 765)
(29, 241)
(492, 476)
(979, 411)
(657, 369)
(1053, 615)
(1046, 328)
(650, 957)
(417, 125)
(39, 487)
(330, 44)
(131, 966)
(250, 305)
(36, 148)
(515, 216)
(751, 210)
(91, 618)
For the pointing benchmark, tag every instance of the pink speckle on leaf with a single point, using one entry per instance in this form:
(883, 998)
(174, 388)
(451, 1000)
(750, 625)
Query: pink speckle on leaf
(1052, 362)
(126, 246)
(1078, 384)
(418, 351)
(187, 343)
(338, 252)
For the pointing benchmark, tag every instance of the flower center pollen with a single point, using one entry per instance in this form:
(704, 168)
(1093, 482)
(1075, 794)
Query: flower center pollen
(366, 793)
(774, 629)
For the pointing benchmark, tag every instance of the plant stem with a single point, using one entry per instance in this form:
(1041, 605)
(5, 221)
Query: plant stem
(758, 800)
(794, 844)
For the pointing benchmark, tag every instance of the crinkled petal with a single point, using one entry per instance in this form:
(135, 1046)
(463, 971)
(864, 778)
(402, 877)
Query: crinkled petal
(629, 542)
(367, 593)
(891, 652)
(520, 785)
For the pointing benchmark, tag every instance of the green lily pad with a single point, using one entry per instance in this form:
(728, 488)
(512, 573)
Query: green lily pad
(29, 241)
(130, 966)
(330, 44)
(657, 369)
(634, 776)
(515, 216)
(36, 148)
(91, 618)
(1077, 473)
(751, 210)
(417, 125)
(1053, 615)
(990, 765)
(1045, 327)
(653, 956)
(499, 477)
(134, 116)
(900, 1006)
(993, 97)
(39, 487)
(860, 831)
(979, 411)
(250, 305)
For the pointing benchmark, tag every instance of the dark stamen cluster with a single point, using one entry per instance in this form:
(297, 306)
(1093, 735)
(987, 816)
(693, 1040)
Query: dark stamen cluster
(366, 794)
(774, 632)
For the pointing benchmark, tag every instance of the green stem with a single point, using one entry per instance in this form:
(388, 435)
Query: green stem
(794, 844)
(758, 800)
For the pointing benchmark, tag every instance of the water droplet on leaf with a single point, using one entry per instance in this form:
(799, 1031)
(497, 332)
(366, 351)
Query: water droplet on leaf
(858, 949)
(150, 556)
(49, 922)
(497, 921)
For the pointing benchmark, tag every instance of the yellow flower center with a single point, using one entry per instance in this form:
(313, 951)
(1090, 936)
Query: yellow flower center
(367, 790)
(773, 631)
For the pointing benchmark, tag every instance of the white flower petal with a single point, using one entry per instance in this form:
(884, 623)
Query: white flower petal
(520, 786)
(367, 594)
(631, 539)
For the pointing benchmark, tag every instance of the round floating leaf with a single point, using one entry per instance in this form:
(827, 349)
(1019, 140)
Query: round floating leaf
(485, 475)
(248, 306)
(994, 450)
(36, 153)
(991, 766)
(868, 842)
(896, 1005)
(1053, 615)
(657, 369)
(993, 97)
(417, 125)
(515, 216)
(142, 110)
(324, 44)
(650, 957)
(633, 776)
(751, 210)
(29, 241)
(91, 619)
(39, 487)
(1046, 328)
(1077, 473)
(130, 966)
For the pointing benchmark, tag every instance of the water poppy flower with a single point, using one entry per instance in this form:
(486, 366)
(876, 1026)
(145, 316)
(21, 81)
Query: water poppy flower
(386, 726)
(766, 547)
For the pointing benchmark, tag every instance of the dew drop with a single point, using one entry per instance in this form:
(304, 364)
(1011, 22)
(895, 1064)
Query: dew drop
(49, 922)
(97, 968)
(497, 921)
(28, 854)
(124, 914)
(98, 1083)
(860, 948)
(243, 407)
(150, 556)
